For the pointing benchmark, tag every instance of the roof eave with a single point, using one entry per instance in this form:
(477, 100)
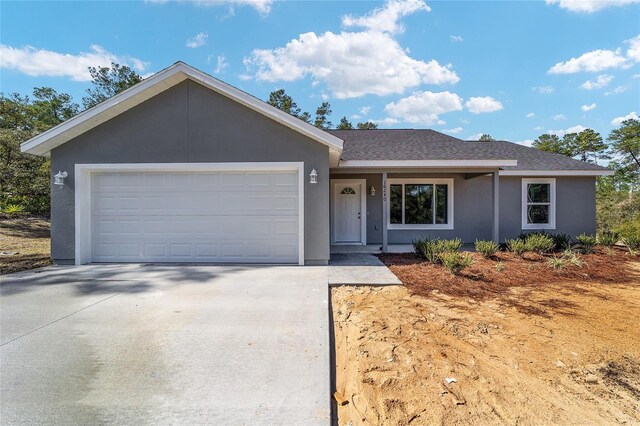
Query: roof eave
(603, 172)
(426, 163)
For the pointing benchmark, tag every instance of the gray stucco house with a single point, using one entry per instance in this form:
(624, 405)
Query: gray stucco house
(185, 168)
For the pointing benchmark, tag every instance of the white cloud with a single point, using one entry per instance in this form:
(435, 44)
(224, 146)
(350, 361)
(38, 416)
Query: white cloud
(221, 64)
(618, 120)
(635, 76)
(40, 62)
(616, 91)
(633, 53)
(538, 128)
(531, 115)
(455, 130)
(456, 38)
(586, 108)
(364, 110)
(475, 137)
(198, 40)
(386, 19)
(589, 6)
(544, 90)
(559, 117)
(424, 107)
(262, 6)
(599, 82)
(594, 61)
(526, 142)
(478, 105)
(598, 60)
(354, 64)
(389, 121)
(574, 129)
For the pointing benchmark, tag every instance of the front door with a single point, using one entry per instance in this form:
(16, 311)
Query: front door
(347, 213)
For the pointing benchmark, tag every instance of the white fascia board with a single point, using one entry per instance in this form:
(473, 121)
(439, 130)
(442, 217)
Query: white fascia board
(178, 72)
(427, 163)
(556, 172)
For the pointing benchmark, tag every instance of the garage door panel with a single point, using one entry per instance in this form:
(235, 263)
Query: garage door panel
(218, 216)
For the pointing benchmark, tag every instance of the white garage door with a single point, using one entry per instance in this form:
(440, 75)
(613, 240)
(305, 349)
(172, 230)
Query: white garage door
(223, 216)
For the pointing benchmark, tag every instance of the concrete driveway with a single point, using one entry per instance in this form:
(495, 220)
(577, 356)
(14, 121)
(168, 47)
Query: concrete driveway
(142, 344)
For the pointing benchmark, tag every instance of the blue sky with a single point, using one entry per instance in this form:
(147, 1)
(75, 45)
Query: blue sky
(512, 69)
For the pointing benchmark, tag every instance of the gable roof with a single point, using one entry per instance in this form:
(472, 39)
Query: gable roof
(423, 147)
(43, 143)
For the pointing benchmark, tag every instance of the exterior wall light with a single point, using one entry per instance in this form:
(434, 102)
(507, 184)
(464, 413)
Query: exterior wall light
(58, 178)
(313, 176)
(372, 190)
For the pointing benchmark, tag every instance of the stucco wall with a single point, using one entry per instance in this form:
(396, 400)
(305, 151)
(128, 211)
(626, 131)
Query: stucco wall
(473, 216)
(190, 123)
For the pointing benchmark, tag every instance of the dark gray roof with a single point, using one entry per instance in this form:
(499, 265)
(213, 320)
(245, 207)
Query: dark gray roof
(425, 144)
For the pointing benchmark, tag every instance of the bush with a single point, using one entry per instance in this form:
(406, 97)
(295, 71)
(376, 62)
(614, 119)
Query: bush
(608, 238)
(13, 208)
(540, 243)
(517, 246)
(587, 242)
(632, 241)
(431, 249)
(557, 263)
(486, 248)
(561, 241)
(455, 262)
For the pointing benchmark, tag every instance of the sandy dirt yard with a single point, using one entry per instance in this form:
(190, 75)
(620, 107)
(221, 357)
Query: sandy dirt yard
(572, 359)
(24, 243)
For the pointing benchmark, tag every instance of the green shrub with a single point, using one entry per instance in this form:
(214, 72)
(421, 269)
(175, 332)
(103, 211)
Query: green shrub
(587, 242)
(499, 266)
(13, 208)
(574, 259)
(557, 263)
(486, 248)
(517, 246)
(539, 243)
(561, 241)
(608, 238)
(632, 241)
(431, 249)
(455, 261)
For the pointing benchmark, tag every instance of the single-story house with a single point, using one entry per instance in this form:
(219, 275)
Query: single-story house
(183, 167)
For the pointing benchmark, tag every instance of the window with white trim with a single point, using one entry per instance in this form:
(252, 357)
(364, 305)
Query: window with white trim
(539, 203)
(420, 203)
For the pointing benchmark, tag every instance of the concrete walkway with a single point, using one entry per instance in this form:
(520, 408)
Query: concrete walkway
(131, 344)
(359, 268)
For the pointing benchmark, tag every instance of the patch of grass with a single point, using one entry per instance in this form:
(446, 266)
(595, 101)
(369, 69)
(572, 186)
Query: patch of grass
(557, 262)
(486, 248)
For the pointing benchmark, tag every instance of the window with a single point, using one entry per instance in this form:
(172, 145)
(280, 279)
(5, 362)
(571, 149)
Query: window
(538, 203)
(348, 191)
(420, 203)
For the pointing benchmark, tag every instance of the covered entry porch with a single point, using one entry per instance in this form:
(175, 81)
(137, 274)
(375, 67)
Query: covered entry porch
(385, 209)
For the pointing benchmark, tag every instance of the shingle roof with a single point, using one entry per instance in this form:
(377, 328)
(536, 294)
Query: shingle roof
(426, 144)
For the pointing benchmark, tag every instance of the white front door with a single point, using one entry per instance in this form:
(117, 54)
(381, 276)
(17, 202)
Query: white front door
(348, 215)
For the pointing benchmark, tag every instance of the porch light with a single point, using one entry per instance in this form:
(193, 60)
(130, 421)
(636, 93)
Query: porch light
(372, 190)
(313, 176)
(58, 178)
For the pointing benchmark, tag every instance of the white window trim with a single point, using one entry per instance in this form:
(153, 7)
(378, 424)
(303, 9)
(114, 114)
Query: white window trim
(552, 203)
(364, 214)
(82, 179)
(448, 182)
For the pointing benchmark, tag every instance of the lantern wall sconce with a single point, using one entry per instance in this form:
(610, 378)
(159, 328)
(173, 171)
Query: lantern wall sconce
(313, 176)
(58, 178)
(372, 190)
